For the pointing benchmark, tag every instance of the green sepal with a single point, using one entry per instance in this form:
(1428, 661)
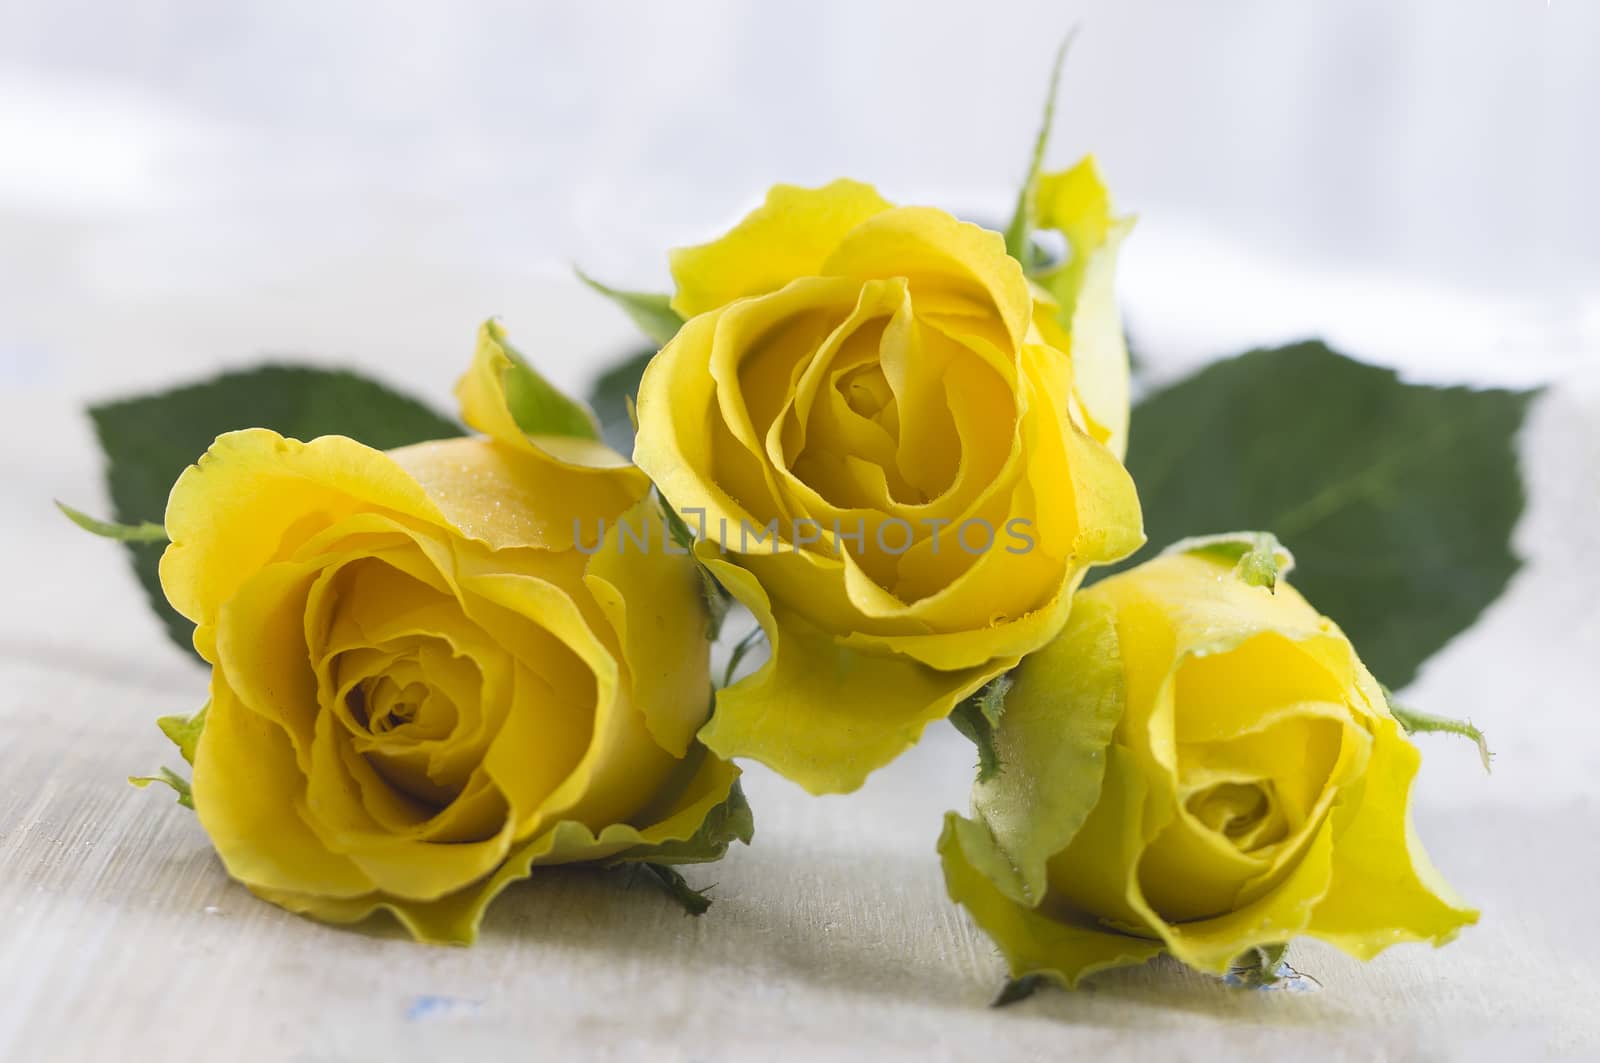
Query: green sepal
(1019, 234)
(1258, 967)
(184, 731)
(736, 656)
(1257, 558)
(732, 821)
(695, 902)
(1415, 722)
(538, 406)
(976, 717)
(718, 600)
(729, 822)
(167, 777)
(144, 532)
(1265, 967)
(1017, 989)
(651, 311)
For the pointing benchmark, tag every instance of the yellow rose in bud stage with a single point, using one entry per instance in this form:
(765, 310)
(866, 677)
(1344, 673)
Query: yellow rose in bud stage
(882, 432)
(1201, 766)
(422, 685)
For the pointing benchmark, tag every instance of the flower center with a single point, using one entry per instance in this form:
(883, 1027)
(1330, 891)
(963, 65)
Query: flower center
(1242, 812)
(866, 392)
(394, 705)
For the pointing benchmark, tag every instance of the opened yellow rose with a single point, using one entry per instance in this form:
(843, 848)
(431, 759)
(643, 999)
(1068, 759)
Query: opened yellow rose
(876, 423)
(1197, 765)
(421, 685)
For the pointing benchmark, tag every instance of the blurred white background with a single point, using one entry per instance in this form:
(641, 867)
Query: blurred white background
(187, 185)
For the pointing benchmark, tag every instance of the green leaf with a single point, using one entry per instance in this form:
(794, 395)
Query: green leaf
(695, 902)
(168, 777)
(149, 440)
(146, 532)
(1017, 989)
(1398, 499)
(538, 406)
(184, 731)
(1257, 557)
(976, 717)
(652, 312)
(1019, 234)
(1416, 722)
(612, 398)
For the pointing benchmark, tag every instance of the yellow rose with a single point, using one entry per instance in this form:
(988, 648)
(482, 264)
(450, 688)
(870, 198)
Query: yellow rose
(1201, 766)
(422, 684)
(873, 420)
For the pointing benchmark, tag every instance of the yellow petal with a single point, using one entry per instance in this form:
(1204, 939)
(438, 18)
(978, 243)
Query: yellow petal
(1282, 914)
(1098, 870)
(1384, 889)
(954, 258)
(246, 502)
(1208, 611)
(656, 606)
(404, 865)
(820, 713)
(622, 765)
(454, 919)
(249, 795)
(1032, 942)
(678, 416)
(1076, 203)
(485, 405)
(788, 237)
(501, 495)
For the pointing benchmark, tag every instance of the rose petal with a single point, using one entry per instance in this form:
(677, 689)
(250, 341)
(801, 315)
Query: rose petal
(820, 713)
(788, 236)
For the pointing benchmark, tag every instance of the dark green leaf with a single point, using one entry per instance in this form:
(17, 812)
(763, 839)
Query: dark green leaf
(1398, 500)
(147, 532)
(148, 441)
(653, 313)
(1019, 234)
(613, 393)
(167, 777)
